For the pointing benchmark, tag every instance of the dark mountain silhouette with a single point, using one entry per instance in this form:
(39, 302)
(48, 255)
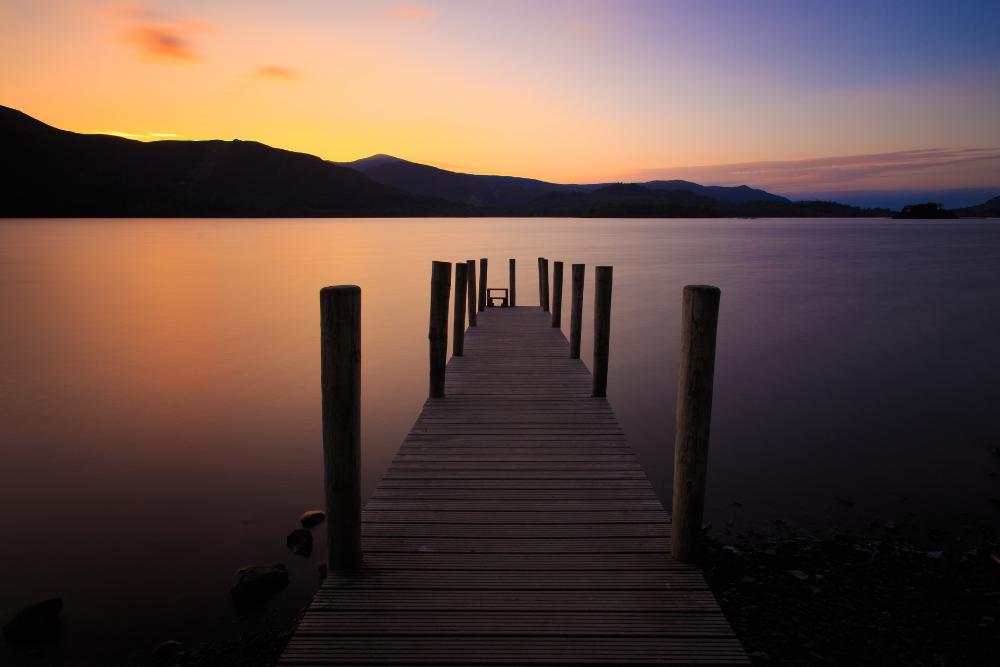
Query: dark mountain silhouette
(740, 194)
(511, 191)
(51, 172)
(632, 200)
(622, 200)
(472, 189)
(988, 209)
(928, 211)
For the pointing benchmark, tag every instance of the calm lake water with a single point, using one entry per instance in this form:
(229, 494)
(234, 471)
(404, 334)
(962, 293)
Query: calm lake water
(160, 405)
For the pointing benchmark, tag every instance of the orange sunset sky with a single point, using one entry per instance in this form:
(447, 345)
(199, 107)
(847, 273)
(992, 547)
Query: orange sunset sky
(780, 94)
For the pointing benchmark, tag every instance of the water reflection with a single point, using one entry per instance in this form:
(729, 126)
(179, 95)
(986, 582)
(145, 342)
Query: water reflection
(159, 383)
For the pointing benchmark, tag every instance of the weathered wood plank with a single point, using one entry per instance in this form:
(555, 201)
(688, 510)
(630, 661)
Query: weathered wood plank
(515, 526)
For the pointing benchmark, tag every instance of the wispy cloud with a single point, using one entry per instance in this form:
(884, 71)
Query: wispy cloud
(276, 72)
(140, 136)
(412, 12)
(160, 39)
(943, 167)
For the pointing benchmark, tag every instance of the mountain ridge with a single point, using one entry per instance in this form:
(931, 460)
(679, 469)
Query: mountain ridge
(102, 175)
(58, 173)
(486, 190)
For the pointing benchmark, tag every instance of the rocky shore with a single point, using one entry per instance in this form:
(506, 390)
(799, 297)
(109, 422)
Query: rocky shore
(849, 600)
(792, 599)
(796, 600)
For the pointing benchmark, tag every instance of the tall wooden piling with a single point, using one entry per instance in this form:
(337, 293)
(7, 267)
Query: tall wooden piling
(483, 262)
(695, 378)
(540, 298)
(471, 278)
(513, 282)
(576, 310)
(340, 353)
(602, 329)
(438, 331)
(458, 333)
(557, 290)
(543, 283)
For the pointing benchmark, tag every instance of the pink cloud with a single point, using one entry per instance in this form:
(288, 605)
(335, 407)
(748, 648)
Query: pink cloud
(943, 167)
(154, 37)
(276, 72)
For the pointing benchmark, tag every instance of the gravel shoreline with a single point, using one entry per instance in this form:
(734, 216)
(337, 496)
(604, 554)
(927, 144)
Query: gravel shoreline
(859, 601)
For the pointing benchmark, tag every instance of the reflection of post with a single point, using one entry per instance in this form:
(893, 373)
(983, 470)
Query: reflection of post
(483, 305)
(458, 345)
(576, 310)
(557, 290)
(513, 283)
(340, 371)
(471, 278)
(602, 329)
(699, 321)
(438, 331)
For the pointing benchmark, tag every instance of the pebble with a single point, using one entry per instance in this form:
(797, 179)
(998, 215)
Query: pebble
(312, 518)
(300, 541)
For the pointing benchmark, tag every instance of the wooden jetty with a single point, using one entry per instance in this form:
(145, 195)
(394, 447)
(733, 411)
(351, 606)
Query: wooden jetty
(514, 527)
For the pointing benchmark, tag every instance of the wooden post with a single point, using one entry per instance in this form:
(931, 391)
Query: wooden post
(699, 321)
(576, 310)
(461, 274)
(438, 332)
(340, 372)
(557, 290)
(543, 283)
(513, 283)
(540, 299)
(602, 329)
(483, 263)
(471, 278)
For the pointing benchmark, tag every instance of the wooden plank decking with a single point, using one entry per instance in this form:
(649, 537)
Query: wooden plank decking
(515, 527)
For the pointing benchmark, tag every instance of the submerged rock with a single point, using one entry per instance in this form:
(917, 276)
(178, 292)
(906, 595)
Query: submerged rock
(34, 623)
(300, 541)
(312, 518)
(257, 583)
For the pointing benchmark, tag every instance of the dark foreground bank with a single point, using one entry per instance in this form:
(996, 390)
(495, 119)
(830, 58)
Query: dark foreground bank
(792, 600)
(859, 601)
(796, 600)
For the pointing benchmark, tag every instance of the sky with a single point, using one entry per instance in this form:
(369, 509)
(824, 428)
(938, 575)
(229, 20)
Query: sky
(801, 96)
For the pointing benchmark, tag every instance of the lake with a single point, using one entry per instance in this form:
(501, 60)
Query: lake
(160, 403)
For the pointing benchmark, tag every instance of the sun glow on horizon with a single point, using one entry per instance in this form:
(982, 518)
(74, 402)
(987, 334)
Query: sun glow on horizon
(567, 92)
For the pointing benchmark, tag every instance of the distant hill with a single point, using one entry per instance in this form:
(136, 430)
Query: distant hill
(622, 200)
(739, 194)
(51, 172)
(472, 189)
(928, 211)
(632, 200)
(989, 209)
(511, 191)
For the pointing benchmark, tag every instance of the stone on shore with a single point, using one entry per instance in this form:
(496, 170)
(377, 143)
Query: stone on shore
(300, 541)
(34, 623)
(312, 518)
(257, 583)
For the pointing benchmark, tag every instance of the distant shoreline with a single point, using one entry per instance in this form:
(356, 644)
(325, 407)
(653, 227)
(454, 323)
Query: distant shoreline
(56, 173)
